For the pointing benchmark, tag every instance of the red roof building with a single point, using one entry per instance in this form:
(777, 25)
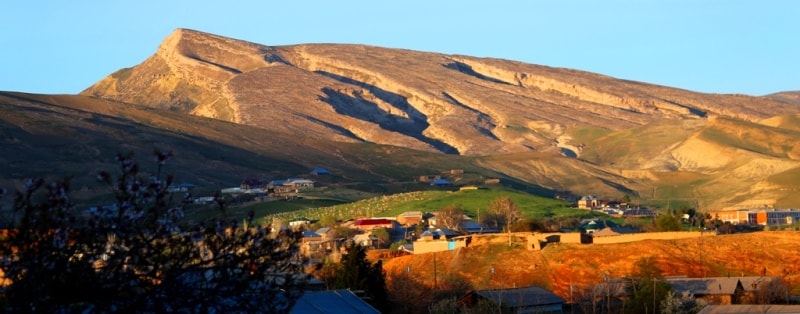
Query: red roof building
(372, 223)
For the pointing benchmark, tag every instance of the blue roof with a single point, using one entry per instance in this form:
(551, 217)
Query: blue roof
(320, 170)
(332, 301)
(310, 234)
(440, 182)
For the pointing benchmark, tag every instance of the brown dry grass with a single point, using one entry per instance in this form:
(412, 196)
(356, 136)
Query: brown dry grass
(560, 265)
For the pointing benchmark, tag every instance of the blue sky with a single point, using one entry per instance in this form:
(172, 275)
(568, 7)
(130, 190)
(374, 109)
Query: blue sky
(713, 46)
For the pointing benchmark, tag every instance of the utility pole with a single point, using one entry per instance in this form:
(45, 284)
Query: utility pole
(434, 274)
(654, 296)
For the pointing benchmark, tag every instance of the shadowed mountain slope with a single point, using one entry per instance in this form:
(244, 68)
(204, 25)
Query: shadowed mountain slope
(67, 135)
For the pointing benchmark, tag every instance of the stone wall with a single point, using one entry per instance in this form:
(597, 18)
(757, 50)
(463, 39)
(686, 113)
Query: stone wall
(429, 246)
(623, 238)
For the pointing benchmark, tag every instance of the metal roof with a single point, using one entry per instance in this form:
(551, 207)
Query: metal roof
(520, 297)
(754, 283)
(332, 301)
(705, 286)
(750, 308)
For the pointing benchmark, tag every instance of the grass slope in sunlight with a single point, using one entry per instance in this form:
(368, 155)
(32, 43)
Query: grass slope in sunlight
(472, 201)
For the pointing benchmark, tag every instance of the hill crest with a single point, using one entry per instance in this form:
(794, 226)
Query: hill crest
(387, 115)
(421, 100)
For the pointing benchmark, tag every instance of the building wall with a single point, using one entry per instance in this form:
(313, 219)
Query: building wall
(777, 217)
(623, 238)
(423, 246)
(717, 299)
(370, 227)
(761, 217)
(409, 220)
(733, 216)
(537, 241)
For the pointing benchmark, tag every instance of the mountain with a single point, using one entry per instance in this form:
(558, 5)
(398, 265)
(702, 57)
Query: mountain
(392, 114)
(73, 135)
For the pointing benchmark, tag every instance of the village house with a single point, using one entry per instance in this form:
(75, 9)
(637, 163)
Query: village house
(310, 243)
(319, 171)
(299, 222)
(638, 212)
(491, 181)
(204, 200)
(366, 224)
(440, 182)
(439, 240)
(753, 285)
(409, 218)
(327, 241)
(366, 240)
(775, 217)
(530, 299)
(588, 202)
(715, 290)
(439, 234)
(476, 227)
(735, 217)
(590, 225)
(428, 178)
(764, 217)
(183, 187)
(291, 185)
(327, 233)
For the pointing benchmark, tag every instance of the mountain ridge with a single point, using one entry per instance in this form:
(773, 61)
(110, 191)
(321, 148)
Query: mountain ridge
(560, 130)
(422, 100)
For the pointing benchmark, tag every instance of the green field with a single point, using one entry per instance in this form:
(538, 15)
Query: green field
(472, 201)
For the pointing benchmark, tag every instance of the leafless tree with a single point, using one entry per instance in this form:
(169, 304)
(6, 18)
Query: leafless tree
(774, 291)
(450, 217)
(504, 208)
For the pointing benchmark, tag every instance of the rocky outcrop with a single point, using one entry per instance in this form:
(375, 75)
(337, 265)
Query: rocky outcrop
(422, 100)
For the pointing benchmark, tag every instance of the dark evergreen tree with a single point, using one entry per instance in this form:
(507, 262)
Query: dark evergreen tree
(356, 273)
(668, 223)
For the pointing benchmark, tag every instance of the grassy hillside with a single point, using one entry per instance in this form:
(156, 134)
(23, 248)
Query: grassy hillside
(758, 138)
(78, 136)
(472, 201)
(633, 147)
(711, 163)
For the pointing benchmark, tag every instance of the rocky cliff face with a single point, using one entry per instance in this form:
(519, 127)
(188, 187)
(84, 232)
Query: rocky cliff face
(421, 100)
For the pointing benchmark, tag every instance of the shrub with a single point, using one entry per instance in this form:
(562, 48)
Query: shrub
(140, 255)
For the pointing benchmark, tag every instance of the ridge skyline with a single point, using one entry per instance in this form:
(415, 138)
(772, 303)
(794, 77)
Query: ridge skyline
(365, 110)
(686, 45)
